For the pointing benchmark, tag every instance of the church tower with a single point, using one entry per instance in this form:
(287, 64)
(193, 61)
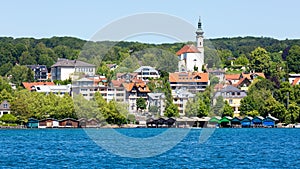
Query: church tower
(199, 37)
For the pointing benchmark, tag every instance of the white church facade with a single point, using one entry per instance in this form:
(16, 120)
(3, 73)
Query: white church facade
(191, 58)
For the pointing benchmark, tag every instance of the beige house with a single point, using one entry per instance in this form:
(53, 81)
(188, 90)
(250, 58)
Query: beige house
(233, 96)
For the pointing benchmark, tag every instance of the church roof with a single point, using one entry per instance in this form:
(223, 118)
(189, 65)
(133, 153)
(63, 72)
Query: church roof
(187, 49)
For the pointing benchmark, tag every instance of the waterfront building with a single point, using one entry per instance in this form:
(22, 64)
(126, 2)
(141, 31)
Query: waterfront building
(68, 123)
(48, 123)
(247, 122)
(32, 123)
(89, 123)
(225, 122)
(257, 121)
(236, 122)
(270, 121)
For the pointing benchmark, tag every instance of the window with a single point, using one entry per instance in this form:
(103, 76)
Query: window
(230, 101)
(85, 95)
(83, 90)
(5, 106)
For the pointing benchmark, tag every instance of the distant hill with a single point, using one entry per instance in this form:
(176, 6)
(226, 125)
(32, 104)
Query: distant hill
(46, 51)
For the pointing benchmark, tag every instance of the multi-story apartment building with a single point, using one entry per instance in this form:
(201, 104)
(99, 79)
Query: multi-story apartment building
(40, 72)
(191, 81)
(64, 69)
(157, 100)
(146, 72)
(133, 92)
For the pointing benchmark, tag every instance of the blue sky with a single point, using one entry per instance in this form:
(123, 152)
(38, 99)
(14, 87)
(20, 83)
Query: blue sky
(221, 18)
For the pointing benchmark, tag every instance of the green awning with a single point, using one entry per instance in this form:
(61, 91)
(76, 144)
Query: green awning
(224, 120)
(214, 120)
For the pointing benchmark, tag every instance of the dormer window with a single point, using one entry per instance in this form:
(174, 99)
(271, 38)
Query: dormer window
(197, 77)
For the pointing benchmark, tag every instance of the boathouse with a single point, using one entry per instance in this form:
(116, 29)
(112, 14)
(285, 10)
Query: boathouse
(89, 123)
(236, 122)
(225, 122)
(69, 123)
(214, 121)
(257, 121)
(48, 123)
(247, 122)
(270, 121)
(32, 123)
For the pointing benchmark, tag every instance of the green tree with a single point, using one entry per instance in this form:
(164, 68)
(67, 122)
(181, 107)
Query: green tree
(228, 110)
(252, 113)
(214, 80)
(273, 108)
(5, 95)
(242, 60)
(8, 118)
(141, 103)
(5, 68)
(293, 59)
(171, 111)
(293, 113)
(21, 74)
(4, 85)
(260, 60)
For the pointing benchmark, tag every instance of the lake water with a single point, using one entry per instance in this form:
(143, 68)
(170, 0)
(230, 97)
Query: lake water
(225, 148)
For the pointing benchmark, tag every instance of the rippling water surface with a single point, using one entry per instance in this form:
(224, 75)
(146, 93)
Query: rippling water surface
(226, 148)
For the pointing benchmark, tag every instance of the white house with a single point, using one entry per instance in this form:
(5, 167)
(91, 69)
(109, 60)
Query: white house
(64, 69)
(146, 72)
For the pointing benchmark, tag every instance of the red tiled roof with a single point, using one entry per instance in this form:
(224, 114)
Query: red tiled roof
(188, 77)
(232, 76)
(28, 85)
(117, 83)
(142, 87)
(240, 81)
(187, 49)
(296, 81)
(248, 75)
